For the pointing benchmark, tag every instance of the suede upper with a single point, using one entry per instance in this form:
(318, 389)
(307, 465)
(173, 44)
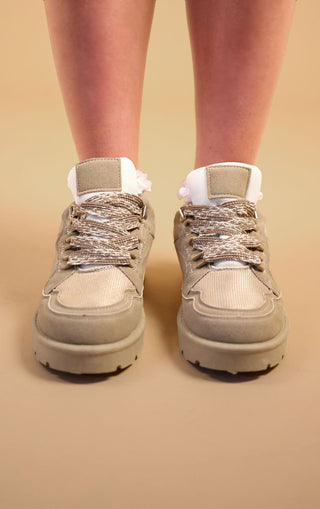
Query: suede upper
(236, 304)
(232, 302)
(96, 304)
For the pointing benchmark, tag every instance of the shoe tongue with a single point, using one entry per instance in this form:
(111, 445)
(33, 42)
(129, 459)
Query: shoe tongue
(221, 182)
(105, 174)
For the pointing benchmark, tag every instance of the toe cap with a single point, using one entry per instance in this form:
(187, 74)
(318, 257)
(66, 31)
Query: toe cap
(232, 305)
(91, 307)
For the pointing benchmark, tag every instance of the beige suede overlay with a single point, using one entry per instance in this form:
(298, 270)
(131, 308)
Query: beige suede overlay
(101, 174)
(231, 289)
(94, 289)
(225, 181)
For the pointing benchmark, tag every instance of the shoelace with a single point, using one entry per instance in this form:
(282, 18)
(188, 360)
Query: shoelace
(224, 232)
(108, 241)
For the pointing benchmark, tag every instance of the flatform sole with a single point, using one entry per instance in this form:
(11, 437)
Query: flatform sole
(231, 357)
(88, 359)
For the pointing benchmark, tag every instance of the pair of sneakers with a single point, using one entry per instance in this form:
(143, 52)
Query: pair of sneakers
(91, 319)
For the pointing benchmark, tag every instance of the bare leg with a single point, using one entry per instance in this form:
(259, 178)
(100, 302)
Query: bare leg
(238, 47)
(100, 51)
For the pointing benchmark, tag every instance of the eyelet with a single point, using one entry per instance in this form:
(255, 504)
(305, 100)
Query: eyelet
(196, 256)
(144, 212)
(201, 264)
(190, 240)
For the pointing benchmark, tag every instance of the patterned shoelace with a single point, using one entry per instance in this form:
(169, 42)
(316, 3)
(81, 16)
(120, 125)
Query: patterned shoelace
(108, 240)
(224, 232)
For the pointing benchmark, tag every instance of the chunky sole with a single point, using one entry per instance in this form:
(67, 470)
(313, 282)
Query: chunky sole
(88, 359)
(231, 357)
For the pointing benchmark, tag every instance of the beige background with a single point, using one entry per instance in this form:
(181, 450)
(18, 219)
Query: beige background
(161, 434)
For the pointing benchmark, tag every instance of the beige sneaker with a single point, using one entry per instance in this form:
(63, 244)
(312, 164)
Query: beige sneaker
(232, 316)
(90, 318)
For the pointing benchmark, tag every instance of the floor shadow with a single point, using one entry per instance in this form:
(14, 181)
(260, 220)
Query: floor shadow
(224, 376)
(84, 378)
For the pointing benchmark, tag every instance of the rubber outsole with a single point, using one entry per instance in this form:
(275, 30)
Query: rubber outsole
(88, 359)
(231, 357)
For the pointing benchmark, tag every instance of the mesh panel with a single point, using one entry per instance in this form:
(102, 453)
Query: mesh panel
(93, 289)
(231, 289)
